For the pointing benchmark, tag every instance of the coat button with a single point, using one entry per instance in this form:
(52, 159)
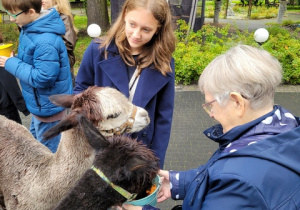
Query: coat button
(144, 134)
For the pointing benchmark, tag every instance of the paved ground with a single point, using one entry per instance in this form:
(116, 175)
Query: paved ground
(252, 25)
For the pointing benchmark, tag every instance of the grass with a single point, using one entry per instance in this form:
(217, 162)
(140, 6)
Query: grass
(83, 40)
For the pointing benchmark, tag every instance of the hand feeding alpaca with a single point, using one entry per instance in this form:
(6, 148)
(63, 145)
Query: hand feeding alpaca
(32, 177)
(120, 160)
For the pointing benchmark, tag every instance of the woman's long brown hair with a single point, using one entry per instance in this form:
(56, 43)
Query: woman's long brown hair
(157, 53)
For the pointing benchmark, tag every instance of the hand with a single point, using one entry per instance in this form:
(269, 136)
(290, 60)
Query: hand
(3, 60)
(165, 189)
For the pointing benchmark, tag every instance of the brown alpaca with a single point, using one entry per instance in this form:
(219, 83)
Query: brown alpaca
(124, 161)
(31, 176)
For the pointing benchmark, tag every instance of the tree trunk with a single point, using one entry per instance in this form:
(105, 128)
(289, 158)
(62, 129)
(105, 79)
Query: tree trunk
(250, 9)
(281, 10)
(116, 7)
(218, 6)
(97, 13)
(227, 5)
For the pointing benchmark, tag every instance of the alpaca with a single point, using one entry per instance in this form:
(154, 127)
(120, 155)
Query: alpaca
(123, 161)
(31, 176)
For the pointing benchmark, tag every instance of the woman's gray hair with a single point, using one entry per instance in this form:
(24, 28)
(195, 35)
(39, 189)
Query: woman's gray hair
(252, 72)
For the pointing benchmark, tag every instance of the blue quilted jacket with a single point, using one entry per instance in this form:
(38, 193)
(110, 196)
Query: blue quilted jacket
(42, 64)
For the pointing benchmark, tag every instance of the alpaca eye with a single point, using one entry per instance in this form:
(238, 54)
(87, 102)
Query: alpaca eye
(115, 115)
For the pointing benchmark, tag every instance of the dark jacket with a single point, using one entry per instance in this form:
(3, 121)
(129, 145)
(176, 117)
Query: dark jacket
(154, 92)
(42, 63)
(11, 99)
(262, 174)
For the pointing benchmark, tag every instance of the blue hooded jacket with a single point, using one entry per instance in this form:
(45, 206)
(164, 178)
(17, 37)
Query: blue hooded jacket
(262, 174)
(42, 63)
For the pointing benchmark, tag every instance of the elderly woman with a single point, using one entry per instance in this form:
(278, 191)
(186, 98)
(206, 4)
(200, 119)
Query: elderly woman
(257, 165)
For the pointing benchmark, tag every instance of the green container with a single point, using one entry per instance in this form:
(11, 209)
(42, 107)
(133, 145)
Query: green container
(150, 199)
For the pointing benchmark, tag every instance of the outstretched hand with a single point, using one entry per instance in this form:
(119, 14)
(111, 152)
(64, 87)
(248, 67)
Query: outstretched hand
(165, 189)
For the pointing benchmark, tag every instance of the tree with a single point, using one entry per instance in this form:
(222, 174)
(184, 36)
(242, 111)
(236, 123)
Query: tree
(218, 5)
(250, 9)
(97, 13)
(281, 11)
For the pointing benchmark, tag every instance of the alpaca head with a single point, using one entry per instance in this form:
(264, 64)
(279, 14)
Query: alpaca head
(107, 108)
(124, 161)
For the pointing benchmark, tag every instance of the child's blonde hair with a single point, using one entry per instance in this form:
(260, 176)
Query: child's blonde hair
(158, 51)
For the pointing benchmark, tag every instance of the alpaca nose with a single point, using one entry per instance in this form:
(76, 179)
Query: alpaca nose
(146, 116)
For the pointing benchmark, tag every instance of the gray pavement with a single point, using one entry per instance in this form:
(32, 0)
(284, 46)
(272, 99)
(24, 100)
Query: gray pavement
(188, 147)
(252, 25)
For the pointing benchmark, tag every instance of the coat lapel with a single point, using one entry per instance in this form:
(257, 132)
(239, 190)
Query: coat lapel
(116, 70)
(150, 82)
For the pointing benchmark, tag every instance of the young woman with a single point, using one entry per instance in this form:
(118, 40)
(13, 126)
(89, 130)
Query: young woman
(136, 59)
(70, 38)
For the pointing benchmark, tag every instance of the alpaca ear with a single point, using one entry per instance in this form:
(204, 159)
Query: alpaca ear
(65, 124)
(94, 137)
(62, 100)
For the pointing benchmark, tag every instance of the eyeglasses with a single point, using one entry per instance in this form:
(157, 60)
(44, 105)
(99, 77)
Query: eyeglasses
(15, 15)
(208, 106)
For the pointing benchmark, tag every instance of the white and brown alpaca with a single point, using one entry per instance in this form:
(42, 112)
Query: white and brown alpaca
(119, 160)
(31, 176)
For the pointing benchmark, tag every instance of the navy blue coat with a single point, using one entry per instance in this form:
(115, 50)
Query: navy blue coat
(42, 63)
(154, 92)
(263, 175)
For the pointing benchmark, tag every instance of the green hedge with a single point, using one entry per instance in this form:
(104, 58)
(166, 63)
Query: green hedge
(196, 50)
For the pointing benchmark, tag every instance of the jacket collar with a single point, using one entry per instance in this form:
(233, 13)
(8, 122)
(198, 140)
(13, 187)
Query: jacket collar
(216, 134)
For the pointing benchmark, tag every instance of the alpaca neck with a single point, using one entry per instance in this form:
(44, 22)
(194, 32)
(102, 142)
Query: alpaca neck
(92, 193)
(73, 157)
(74, 145)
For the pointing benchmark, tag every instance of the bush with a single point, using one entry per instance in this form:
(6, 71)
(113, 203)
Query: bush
(194, 51)
(10, 34)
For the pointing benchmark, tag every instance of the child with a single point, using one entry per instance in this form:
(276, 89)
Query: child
(136, 58)
(70, 37)
(11, 99)
(42, 64)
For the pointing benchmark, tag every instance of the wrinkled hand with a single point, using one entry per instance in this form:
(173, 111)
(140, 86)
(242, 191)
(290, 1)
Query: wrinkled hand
(165, 189)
